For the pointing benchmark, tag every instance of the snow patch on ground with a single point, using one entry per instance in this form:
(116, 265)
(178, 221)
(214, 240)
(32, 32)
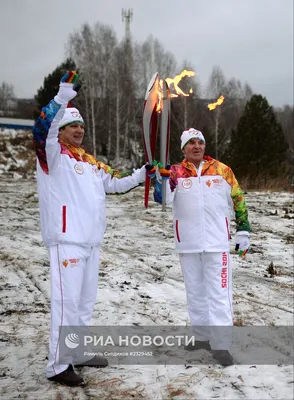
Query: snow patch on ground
(140, 283)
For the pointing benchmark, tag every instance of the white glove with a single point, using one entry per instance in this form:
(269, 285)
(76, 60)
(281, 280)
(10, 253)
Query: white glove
(242, 243)
(67, 89)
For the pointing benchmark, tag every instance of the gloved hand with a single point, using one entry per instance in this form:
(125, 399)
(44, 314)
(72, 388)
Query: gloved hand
(242, 243)
(164, 172)
(151, 169)
(67, 88)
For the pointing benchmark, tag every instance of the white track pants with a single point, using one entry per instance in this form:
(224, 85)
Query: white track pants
(74, 283)
(208, 282)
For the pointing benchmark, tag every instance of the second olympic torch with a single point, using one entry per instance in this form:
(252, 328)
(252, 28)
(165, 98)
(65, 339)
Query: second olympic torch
(165, 135)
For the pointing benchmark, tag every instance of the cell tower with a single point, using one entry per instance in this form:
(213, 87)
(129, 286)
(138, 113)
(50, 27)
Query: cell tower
(127, 16)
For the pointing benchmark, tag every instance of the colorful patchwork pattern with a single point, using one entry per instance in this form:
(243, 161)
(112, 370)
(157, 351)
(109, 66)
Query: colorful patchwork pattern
(213, 167)
(80, 155)
(40, 132)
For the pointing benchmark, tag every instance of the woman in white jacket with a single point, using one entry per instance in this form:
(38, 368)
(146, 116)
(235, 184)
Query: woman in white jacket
(71, 188)
(203, 193)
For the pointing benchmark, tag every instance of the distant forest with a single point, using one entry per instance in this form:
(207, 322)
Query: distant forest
(245, 132)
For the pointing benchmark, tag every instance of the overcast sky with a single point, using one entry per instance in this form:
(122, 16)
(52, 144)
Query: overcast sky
(251, 40)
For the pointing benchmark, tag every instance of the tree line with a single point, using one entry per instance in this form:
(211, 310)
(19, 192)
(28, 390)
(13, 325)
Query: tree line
(255, 139)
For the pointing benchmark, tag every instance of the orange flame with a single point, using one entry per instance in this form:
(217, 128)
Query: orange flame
(212, 106)
(160, 96)
(174, 81)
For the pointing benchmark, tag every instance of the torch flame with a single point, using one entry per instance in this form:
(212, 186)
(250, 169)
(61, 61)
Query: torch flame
(220, 100)
(174, 81)
(160, 96)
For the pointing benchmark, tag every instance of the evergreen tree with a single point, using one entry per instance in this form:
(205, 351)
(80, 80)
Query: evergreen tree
(258, 146)
(51, 85)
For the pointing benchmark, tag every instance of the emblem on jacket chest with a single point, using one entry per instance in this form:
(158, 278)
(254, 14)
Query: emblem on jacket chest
(187, 183)
(215, 182)
(79, 169)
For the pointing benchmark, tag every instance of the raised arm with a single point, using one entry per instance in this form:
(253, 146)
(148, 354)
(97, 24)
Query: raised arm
(45, 130)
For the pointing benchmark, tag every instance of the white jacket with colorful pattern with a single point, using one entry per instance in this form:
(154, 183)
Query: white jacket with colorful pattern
(72, 185)
(202, 206)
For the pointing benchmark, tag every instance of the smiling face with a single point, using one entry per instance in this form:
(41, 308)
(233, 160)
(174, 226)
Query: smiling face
(194, 151)
(72, 134)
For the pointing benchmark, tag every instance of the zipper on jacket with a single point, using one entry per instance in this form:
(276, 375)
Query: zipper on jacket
(177, 230)
(63, 219)
(201, 201)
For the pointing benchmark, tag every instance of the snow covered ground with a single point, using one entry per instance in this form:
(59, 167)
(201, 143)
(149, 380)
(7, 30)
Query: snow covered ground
(140, 283)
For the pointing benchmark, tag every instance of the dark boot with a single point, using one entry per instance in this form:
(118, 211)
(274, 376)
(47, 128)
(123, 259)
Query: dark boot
(96, 361)
(198, 345)
(223, 357)
(68, 378)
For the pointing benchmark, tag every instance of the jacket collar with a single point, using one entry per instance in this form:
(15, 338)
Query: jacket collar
(191, 167)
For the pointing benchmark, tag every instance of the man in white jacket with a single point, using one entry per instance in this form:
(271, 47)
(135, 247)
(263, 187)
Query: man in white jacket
(203, 193)
(71, 187)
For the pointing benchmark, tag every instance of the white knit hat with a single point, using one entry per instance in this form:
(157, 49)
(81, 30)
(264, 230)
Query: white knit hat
(191, 134)
(71, 115)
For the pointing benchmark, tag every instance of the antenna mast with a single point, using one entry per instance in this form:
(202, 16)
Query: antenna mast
(127, 16)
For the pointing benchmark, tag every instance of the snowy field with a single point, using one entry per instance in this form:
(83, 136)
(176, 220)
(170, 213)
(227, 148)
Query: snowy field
(140, 283)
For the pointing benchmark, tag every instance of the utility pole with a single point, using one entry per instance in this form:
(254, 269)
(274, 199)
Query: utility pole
(127, 16)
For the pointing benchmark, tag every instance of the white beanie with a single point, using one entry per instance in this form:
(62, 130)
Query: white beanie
(191, 134)
(71, 115)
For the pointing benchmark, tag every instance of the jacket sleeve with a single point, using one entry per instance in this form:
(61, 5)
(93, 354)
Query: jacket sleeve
(45, 133)
(116, 182)
(238, 199)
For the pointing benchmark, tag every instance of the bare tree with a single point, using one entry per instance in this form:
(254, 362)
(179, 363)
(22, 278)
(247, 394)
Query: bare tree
(93, 50)
(151, 57)
(216, 87)
(247, 92)
(216, 84)
(236, 96)
(185, 113)
(7, 97)
(286, 118)
(224, 119)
